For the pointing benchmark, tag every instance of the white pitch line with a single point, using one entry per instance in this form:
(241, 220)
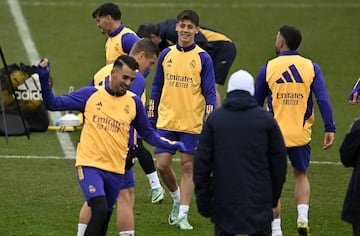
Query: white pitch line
(202, 5)
(33, 157)
(174, 159)
(33, 55)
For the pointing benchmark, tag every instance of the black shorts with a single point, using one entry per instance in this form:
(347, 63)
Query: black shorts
(223, 55)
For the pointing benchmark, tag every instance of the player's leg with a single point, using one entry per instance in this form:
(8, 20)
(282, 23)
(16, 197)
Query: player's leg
(125, 212)
(84, 218)
(126, 200)
(302, 197)
(167, 174)
(147, 164)
(100, 201)
(276, 223)
(300, 160)
(218, 96)
(88, 176)
(186, 190)
(187, 184)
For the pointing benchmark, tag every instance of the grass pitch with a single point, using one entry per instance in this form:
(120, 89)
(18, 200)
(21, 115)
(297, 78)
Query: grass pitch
(40, 196)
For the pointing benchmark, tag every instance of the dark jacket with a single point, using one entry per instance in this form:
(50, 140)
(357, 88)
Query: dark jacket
(240, 165)
(350, 157)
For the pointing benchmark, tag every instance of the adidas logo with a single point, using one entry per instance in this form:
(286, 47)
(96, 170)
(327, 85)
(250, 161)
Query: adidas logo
(287, 78)
(169, 61)
(30, 89)
(32, 83)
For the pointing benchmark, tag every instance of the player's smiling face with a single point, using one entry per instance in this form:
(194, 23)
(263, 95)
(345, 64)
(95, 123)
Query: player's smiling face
(121, 79)
(186, 32)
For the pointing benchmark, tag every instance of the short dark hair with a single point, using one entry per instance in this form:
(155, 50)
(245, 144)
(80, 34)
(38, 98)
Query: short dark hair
(146, 45)
(188, 15)
(145, 30)
(128, 60)
(291, 35)
(108, 9)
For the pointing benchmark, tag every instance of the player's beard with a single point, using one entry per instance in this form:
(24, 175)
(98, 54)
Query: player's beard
(277, 51)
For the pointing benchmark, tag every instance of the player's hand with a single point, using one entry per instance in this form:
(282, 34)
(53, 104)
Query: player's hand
(130, 159)
(328, 140)
(179, 145)
(44, 63)
(354, 98)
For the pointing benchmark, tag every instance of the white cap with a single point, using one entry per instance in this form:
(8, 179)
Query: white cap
(241, 80)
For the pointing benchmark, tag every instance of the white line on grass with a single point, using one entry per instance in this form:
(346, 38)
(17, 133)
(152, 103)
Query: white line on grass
(174, 159)
(34, 58)
(202, 5)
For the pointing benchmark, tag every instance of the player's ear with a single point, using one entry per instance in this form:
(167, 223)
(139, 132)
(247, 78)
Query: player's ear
(197, 29)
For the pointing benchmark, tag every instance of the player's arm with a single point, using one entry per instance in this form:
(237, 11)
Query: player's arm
(261, 87)
(208, 82)
(128, 40)
(156, 88)
(323, 101)
(147, 132)
(138, 85)
(354, 96)
(73, 101)
(201, 41)
(168, 35)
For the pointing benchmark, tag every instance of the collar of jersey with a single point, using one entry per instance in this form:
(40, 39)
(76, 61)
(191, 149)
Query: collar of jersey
(117, 31)
(290, 53)
(185, 49)
(112, 93)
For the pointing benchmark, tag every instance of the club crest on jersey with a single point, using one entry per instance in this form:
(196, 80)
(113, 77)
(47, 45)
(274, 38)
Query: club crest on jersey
(193, 64)
(127, 109)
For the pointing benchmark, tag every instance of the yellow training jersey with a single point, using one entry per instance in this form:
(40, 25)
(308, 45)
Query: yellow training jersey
(119, 43)
(188, 86)
(108, 118)
(289, 79)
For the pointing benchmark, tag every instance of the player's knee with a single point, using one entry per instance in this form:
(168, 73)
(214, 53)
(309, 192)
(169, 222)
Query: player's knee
(187, 166)
(98, 206)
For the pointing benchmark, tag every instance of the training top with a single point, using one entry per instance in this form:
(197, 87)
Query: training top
(288, 82)
(137, 86)
(213, 35)
(183, 89)
(105, 134)
(119, 42)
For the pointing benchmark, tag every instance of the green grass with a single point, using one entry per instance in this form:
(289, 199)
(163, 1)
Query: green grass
(41, 196)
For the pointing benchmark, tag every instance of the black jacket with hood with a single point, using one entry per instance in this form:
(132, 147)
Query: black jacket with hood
(350, 157)
(240, 165)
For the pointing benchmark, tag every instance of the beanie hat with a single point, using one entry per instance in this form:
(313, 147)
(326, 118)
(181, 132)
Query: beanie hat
(241, 80)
